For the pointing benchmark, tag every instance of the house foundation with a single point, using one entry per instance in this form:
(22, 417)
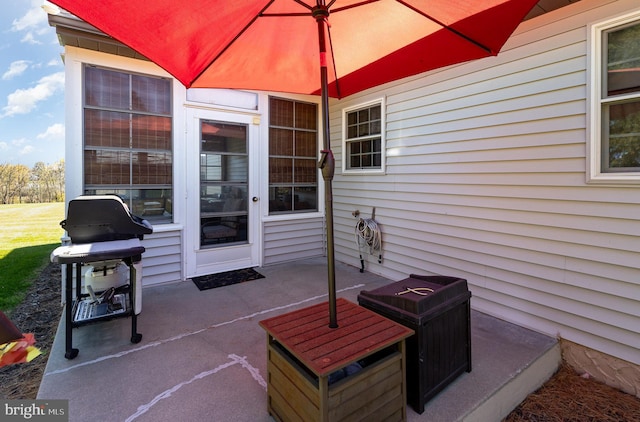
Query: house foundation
(617, 373)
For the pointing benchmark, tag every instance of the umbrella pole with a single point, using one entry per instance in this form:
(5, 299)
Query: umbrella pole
(327, 165)
(327, 161)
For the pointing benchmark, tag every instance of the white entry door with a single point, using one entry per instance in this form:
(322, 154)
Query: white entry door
(222, 231)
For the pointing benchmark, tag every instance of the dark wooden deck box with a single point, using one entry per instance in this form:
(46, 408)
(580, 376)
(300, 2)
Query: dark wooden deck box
(438, 309)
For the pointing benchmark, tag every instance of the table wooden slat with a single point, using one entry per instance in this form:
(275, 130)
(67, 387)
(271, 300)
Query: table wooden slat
(350, 321)
(306, 334)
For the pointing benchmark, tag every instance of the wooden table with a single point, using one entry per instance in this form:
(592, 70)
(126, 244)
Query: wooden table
(303, 352)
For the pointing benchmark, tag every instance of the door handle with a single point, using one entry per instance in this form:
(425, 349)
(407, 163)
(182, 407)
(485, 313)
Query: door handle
(255, 199)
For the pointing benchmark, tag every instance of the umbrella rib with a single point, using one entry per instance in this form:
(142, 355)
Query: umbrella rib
(238, 35)
(303, 4)
(338, 9)
(280, 15)
(333, 59)
(362, 3)
(292, 14)
(300, 2)
(447, 27)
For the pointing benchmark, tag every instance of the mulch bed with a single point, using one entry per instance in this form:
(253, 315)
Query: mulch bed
(566, 397)
(39, 314)
(569, 397)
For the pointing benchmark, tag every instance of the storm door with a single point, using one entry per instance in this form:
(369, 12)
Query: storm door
(222, 204)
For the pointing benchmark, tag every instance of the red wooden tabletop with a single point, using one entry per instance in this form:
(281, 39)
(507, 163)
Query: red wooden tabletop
(306, 334)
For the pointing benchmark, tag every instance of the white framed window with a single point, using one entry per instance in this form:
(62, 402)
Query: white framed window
(128, 141)
(363, 140)
(293, 156)
(614, 138)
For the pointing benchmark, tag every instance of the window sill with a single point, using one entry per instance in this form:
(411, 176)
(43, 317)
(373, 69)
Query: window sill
(293, 216)
(166, 227)
(614, 179)
(360, 172)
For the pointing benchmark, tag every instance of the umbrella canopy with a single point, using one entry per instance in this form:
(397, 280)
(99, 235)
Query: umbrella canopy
(273, 44)
(333, 48)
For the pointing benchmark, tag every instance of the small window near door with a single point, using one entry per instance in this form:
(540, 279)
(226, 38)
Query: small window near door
(615, 137)
(363, 138)
(621, 122)
(293, 155)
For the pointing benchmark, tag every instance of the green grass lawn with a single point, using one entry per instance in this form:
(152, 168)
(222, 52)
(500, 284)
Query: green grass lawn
(28, 234)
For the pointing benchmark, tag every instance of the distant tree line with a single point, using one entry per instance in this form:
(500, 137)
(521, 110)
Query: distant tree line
(21, 184)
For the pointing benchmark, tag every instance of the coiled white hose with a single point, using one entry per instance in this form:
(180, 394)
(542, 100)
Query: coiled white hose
(368, 236)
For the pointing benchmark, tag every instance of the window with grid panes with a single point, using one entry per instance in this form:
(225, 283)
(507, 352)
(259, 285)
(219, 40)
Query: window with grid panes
(363, 138)
(293, 155)
(128, 140)
(615, 147)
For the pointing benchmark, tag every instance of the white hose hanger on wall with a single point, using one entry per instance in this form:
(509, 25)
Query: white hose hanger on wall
(368, 237)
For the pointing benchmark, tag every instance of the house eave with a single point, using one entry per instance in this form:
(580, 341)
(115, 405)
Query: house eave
(74, 32)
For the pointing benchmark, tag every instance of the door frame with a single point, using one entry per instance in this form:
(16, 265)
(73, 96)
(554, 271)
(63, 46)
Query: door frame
(202, 261)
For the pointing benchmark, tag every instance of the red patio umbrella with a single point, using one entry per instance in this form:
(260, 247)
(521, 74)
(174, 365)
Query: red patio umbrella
(333, 48)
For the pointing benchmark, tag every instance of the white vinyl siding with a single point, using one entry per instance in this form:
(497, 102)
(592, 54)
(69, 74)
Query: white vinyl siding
(289, 240)
(486, 180)
(162, 259)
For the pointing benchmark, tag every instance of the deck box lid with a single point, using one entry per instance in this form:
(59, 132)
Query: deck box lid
(418, 294)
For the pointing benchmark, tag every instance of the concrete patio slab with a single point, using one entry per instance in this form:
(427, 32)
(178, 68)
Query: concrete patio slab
(203, 356)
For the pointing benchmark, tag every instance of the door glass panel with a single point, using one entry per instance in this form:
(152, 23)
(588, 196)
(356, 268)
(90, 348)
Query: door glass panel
(224, 175)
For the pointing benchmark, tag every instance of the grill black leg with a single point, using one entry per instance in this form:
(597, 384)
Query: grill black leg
(135, 336)
(70, 352)
(133, 284)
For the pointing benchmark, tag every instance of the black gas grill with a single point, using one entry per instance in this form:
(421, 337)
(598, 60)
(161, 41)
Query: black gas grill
(101, 229)
(102, 218)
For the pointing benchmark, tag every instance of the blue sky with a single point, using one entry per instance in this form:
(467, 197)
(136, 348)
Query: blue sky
(31, 86)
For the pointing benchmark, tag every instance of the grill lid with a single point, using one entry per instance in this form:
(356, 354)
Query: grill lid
(101, 218)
